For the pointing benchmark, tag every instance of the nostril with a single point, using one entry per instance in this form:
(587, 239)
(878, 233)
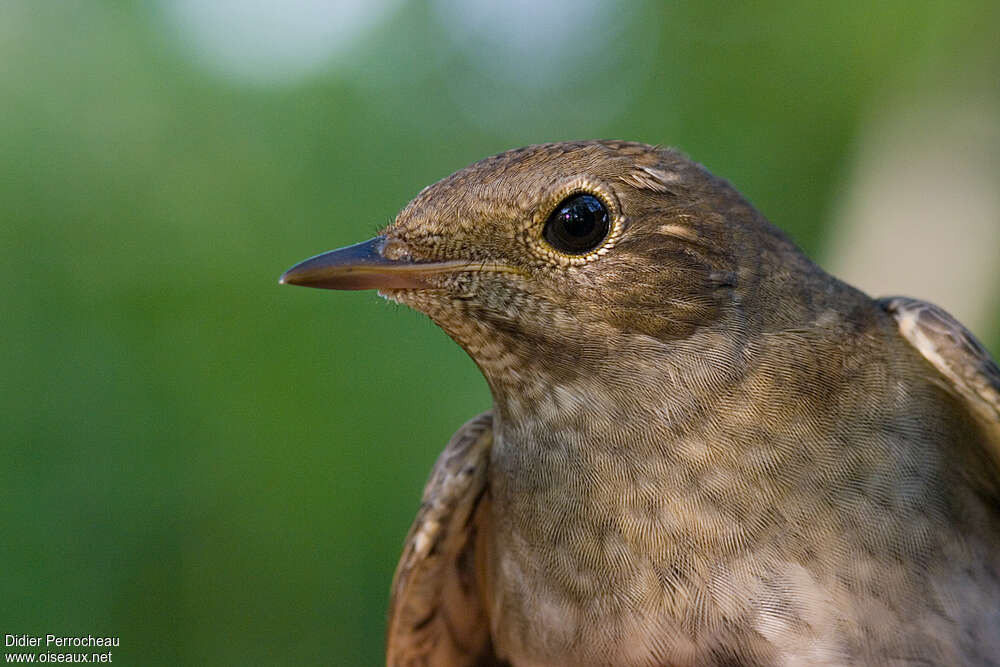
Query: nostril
(395, 250)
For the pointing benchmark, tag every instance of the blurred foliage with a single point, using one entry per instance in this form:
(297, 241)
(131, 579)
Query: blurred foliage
(221, 471)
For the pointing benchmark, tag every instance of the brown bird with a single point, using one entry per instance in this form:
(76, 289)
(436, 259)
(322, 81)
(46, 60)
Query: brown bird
(703, 450)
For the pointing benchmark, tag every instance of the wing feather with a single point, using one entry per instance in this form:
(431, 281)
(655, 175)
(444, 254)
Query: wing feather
(957, 355)
(436, 614)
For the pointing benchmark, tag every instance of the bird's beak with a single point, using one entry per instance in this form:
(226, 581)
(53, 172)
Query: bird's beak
(363, 266)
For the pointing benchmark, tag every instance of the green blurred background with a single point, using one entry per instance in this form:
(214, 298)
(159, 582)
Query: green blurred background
(219, 470)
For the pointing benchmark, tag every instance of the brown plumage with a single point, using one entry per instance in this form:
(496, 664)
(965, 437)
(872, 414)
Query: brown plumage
(702, 450)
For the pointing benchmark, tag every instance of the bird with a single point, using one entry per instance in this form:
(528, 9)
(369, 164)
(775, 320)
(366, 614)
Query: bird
(702, 448)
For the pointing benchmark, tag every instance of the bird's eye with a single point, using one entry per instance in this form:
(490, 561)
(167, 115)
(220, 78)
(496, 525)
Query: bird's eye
(578, 225)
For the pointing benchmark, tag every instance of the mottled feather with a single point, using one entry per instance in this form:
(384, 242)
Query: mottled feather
(956, 354)
(436, 613)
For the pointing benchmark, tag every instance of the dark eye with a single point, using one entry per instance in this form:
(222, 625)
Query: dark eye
(578, 225)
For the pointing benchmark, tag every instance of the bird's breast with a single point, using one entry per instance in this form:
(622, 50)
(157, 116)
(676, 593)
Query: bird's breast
(759, 530)
(598, 547)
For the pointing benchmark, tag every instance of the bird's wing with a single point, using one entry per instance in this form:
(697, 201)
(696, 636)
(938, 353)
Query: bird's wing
(436, 614)
(957, 355)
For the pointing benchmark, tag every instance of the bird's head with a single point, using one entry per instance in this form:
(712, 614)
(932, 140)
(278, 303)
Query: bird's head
(570, 255)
